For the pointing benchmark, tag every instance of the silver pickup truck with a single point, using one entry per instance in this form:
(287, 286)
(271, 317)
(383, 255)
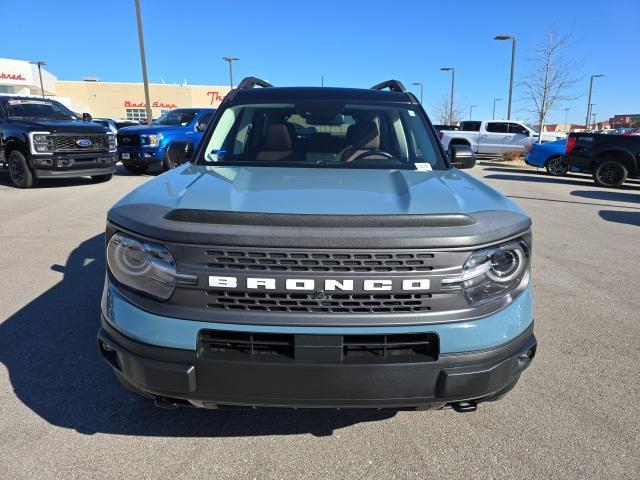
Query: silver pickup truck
(495, 136)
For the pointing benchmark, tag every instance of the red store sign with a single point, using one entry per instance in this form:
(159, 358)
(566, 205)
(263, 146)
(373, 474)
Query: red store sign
(11, 76)
(215, 97)
(130, 104)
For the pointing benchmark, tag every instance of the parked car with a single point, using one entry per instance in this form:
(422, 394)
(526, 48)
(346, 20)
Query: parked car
(440, 127)
(143, 145)
(41, 138)
(319, 249)
(611, 158)
(107, 123)
(549, 156)
(495, 136)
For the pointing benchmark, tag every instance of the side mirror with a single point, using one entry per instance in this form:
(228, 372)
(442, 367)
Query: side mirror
(201, 126)
(87, 117)
(180, 152)
(462, 156)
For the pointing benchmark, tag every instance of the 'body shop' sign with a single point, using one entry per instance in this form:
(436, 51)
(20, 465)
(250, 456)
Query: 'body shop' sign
(130, 104)
(11, 76)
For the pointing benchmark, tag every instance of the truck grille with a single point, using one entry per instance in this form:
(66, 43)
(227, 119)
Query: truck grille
(128, 139)
(314, 303)
(282, 261)
(63, 143)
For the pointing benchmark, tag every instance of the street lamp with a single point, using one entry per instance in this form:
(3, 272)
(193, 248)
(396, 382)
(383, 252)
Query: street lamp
(453, 80)
(39, 63)
(421, 87)
(591, 105)
(513, 63)
(566, 113)
(471, 110)
(493, 117)
(586, 123)
(143, 61)
(593, 115)
(230, 60)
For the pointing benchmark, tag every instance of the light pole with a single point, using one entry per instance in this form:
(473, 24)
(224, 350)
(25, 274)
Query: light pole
(453, 81)
(586, 123)
(230, 60)
(143, 61)
(471, 110)
(513, 63)
(39, 63)
(566, 113)
(493, 117)
(421, 87)
(593, 116)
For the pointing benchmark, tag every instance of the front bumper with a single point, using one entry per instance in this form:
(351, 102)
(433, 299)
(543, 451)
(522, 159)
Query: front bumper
(74, 165)
(193, 377)
(140, 155)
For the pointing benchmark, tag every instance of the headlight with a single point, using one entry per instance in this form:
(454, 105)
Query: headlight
(143, 266)
(111, 138)
(501, 271)
(151, 140)
(40, 143)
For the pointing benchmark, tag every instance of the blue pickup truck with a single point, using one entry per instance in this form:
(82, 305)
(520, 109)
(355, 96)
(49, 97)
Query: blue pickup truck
(141, 146)
(319, 249)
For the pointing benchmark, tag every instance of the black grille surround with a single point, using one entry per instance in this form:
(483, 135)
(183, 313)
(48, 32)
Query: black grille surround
(67, 143)
(128, 139)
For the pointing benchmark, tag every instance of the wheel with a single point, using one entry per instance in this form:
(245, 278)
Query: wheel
(556, 166)
(168, 164)
(610, 174)
(19, 171)
(135, 168)
(102, 178)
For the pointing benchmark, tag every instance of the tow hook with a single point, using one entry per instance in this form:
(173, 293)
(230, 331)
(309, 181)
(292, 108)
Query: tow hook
(466, 406)
(166, 403)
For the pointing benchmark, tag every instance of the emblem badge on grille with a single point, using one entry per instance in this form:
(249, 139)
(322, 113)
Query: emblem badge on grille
(126, 140)
(84, 142)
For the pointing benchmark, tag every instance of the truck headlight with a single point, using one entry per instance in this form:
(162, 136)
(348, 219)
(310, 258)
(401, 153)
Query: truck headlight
(111, 138)
(40, 143)
(143, 266)
(501, 271)
(151, 140)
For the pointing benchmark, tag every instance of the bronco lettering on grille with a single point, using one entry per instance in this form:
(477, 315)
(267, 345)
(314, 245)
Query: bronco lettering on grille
(309, 284)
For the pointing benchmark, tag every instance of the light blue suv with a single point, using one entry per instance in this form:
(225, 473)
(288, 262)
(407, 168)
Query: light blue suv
(318, 249)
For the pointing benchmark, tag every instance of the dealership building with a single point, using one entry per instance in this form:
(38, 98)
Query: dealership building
(105, 99)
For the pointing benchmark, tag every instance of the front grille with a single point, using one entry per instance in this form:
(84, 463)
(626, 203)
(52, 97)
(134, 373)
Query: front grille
(269, 347)
(68, 143)
(128, 139)
(282, 261)
(318, 302)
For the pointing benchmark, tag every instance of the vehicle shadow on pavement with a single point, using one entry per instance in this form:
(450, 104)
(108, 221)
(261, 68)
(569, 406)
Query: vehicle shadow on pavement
(5, 181)
(49, 349)
(617, 216)
(536, 178)
(609, 195)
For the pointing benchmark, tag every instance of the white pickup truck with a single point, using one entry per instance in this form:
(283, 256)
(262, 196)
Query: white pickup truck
(495, 136)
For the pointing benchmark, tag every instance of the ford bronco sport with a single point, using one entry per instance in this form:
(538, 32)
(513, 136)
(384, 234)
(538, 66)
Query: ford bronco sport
(318, 249)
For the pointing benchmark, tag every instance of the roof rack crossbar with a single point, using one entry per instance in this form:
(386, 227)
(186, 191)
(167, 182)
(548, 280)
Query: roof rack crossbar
(250, 82)
(393, 85)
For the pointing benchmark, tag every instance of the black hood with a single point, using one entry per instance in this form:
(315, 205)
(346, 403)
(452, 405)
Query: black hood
(59, 126)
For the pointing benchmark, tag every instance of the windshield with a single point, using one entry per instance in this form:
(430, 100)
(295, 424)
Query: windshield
(34, 108)
(176, 117)
(323, 134)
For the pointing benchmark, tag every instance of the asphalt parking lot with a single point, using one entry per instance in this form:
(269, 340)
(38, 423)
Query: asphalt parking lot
(573, 415)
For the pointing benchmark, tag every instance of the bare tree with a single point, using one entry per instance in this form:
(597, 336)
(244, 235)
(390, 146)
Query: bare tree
(442, 110)
(552, 76)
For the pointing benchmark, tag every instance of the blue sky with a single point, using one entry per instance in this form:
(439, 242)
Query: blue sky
(351, 43)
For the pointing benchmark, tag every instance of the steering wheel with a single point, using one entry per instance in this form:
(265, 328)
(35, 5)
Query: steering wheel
(370, 153)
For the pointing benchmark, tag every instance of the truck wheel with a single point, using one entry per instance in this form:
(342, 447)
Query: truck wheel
(19, 171)
(168, 164)
(134, 168)
(610, 174)
(556, 166)
(102, 178)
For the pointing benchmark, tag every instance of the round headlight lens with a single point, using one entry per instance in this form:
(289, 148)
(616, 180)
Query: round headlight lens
(143, 266)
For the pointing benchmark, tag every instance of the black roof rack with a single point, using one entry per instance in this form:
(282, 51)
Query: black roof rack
(250, 82)
(393, 85)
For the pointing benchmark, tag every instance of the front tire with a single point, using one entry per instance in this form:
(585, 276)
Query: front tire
(556, 166)
(19, 171)
(135, 168)
(610, 174)
(167, 164)
(102, 178)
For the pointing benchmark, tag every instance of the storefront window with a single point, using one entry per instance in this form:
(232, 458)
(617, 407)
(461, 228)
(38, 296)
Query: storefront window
(135, 114)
